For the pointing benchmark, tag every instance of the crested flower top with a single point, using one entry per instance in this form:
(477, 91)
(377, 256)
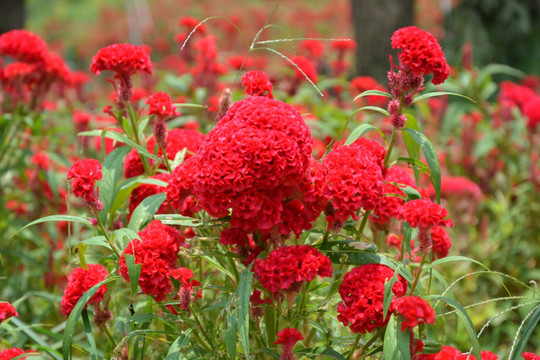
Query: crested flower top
(124, 59)
(160, 104)
(79, 282)
(421, 53)
(24, 46)
(257, 83)
(424, 214)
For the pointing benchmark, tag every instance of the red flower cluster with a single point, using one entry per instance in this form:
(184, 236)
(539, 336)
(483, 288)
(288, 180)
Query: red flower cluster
(414, 311)
(9, 354)
(123, 59)
(349, 178)
(254, 161)
(143, 191)
(160, 105)
(313, 47)
(185, 292)
(288, 337)
(530, 356)
(451, 353)
(421, 213)
(458, 187)
(421, 53)
(532, 112)
(441, 242)
(84, 174)
(157, 252)
(24, 46)
(343, 45)
(6, 311)
(79, 282)
(257, 83)
(390, 205)
(360, 84)
(362, 291)
(306, 66)
(288, 267)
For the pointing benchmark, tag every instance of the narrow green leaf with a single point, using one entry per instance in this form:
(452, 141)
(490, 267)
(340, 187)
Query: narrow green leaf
(467, 322)
(55, 218)
(441, 93)
(123, 139)
(529, 325)
(123, 236)
(134, 271)
(177, 219)
(411, 193)
(375, 108)
(175, 351)
(112, 168)
(388, 294)
(372, 93)
(97, 241)
(242, 311)
(431, 158)
(359, 131)
(229, 334)
(146, 209)
(89, 335)
(25, 328)
(396, 343)
(76, 313)
(81, 249)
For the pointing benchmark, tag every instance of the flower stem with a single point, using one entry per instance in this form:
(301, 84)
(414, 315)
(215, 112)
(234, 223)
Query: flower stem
(419, 272)
(354, 346)
(366, 346)
(106, 234)
(390, 147)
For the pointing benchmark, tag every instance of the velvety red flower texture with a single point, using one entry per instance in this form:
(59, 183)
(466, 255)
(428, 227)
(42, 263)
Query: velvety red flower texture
(421, 53)
(252, 162)
(288, 267)
(143, 191)
(458, 187)
(414, 311)
(421, 213)
(307, 67)
(84, 174)
(157, 252)
(9, 354)
(6, 311)
(79, 282)
(288, 337)
(530, 356)
(24, 46)
(451, 353)
(359, 84)
(441, 242)
(390, 205)
(362, 292)
(123, 59)
(257, 83)
(185, 292)
(349, 178)
(160, 105)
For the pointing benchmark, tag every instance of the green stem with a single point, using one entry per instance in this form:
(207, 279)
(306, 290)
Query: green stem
(354, 346)
(366, 346)
(105, 329)
(106, 234)
(135, 129)
(166, 160)
(390, 147)
(418, 273)
(365, 218)
(201, 328)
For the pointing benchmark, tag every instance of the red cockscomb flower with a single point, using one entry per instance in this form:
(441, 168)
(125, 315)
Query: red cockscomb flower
(532, 112)
(84, 174)
(414, 310)
(343, 45)
(79, 282)
(257, 83)
(288, 267)
(160, 105)
(530, 356)
(313, 47)
(6, 311)
(441, 242)
(359, 84)
(362, 291)
(123, 59)
(421, 53)
(288, 337)
(421, 213)
(185, 292)
(23, 45)
(143, 191)
(9, 354)
(189, 23)
(307, 67)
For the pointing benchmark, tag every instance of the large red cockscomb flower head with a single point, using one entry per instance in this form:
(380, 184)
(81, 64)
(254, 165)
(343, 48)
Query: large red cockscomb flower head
(421, 53)
(257, 83)
(143, 191)
(84, 174)
(9, 354)
(532, 112)
(123, 59)
(414, 310)
(307, 68)
(288, 337)
(6, 311)
(160, 105)
(79, 282)
(362, 291)
(530, 356)
(23, 45)
(287, 268)
(349, 178)
(441, 242)
(422, 213)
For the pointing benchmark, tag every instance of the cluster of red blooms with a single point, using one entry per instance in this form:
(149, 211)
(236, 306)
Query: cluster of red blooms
(161, 107)
(451, 353)
(441, 243)
(143, 191)
(157, 252)
(36, 69)
(359, 84)
(257, 83)
(9, 354)
(414, 310)
(83, 175)
(185, 292)
(6, 311)
(80, 281)
(288, 337)
(350, 178)
(362, 292)
(524, 98)
(287, 268)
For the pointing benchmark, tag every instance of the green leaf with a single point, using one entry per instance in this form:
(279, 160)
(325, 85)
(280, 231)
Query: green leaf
(123, 236)
(89, 335)
(134, 271)
(396, 343)
(359, 131)
(375, 108)
(177, 219)
(99, 240)
(146, 209)
(175, 351)
(112, 169)
(76, 313)
(388, 294)
(229, 334)
(81, 249)
(466, 320)
(431, 159)
(441, 93)
(411, 193)
(413, 148)
(372, 93)
(122, 138)
(242, 310)
(529, 325)
(55, 218)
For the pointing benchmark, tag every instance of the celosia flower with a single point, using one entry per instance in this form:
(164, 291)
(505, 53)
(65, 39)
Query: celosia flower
(359, 84)
(143, 191)
(390, 203)
(9, 354)
(160, 105)
(185, 292)
(84, 174)
(288, 267)
(123, 59)
(256, 302)
(313, 47)
(23, 45)
(514, 95)
(458, 187)
(288, 337)
(190, 23)
(306, 66)
(157, 252)
(350, 178)
(451, 353)
(79, 282)
(362, 292)
(530, 356)
(532, 112)
(343, 45)
(257, 83)
(6, 311)
(414, 311)
(421, 53)
(441, 242)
